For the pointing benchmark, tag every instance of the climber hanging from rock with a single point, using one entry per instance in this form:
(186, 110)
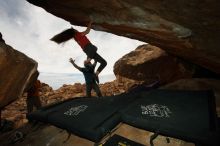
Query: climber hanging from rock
(84, 43)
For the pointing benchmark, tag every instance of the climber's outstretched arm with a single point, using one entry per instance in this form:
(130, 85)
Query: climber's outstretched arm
(76, 66)
(88, 29)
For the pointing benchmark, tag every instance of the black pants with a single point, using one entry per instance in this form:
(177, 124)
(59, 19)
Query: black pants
(31, 102)
(91, 52)
(102, 62)
(94, 86)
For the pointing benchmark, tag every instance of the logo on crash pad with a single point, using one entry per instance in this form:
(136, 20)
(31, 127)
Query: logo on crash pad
(74, 111)
(156, 110)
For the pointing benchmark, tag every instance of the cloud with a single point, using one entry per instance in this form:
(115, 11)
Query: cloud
(13, 9)
(28, 29)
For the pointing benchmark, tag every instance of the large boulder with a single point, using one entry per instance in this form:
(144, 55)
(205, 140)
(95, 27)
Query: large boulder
(188, 29)
(17, 72)
(149, 63)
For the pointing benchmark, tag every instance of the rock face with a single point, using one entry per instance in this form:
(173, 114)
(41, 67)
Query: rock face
(148, 63)
(17, 71)
(188, 29)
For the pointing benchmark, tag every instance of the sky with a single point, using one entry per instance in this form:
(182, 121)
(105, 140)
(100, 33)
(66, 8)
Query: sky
(28, 29)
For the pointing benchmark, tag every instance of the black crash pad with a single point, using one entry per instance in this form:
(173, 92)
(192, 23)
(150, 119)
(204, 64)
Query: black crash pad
(117, 140)
(90, 118)
(187, 115)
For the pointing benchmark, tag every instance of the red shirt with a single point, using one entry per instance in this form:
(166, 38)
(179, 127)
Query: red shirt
(82, 40)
